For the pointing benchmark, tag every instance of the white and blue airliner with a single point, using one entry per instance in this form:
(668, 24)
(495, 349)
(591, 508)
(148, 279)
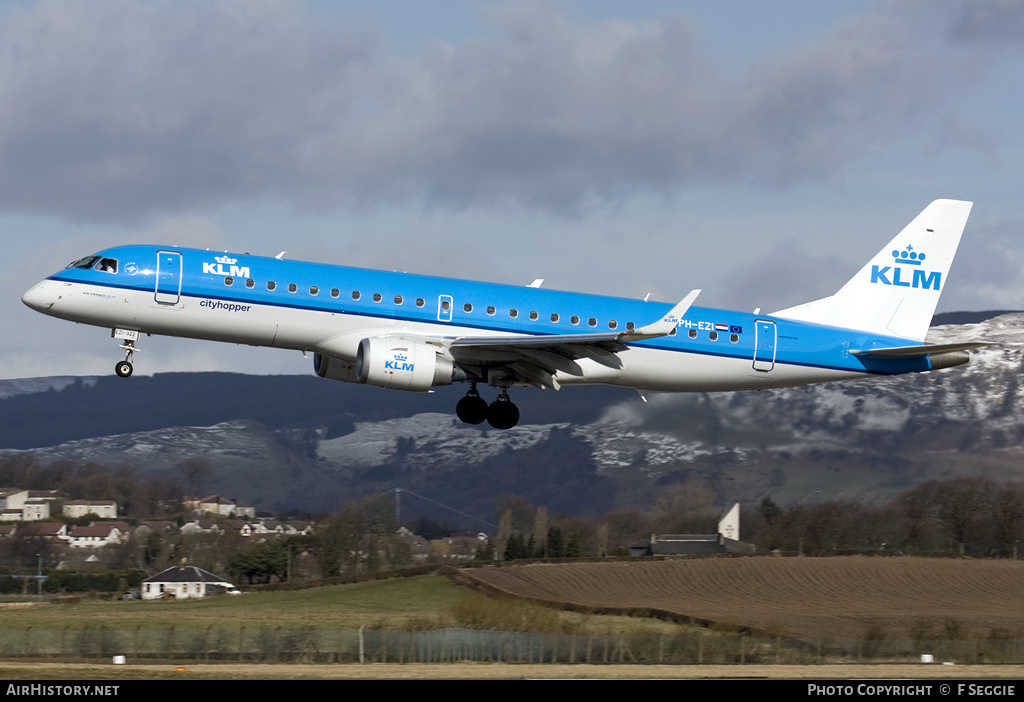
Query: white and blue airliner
(415, 332)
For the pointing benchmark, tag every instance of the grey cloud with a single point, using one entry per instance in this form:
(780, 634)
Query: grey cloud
(994, 21)
(120, 110)
(117, 109)
(989, 268)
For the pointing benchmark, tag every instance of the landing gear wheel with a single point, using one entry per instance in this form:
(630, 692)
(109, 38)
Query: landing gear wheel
(472, 409)
(124, 368)
(503, 413)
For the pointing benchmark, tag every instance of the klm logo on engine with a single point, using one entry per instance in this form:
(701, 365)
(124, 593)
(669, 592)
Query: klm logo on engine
(232, 270)
(895, 275)
(399, 363)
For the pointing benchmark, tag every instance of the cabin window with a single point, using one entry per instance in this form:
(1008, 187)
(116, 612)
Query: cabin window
(377, 297)
(314, 290)
(673, 332)
(446, 305)
(355, 294)
(107, 265)
(630, 326)
(271, 285)
(734, 338)
(292, 287)
(692, 333)
(250, 283)
(398, 299)
(467, 307)
(612, 324)
(713, 336)
(513, 313)
(490, 310)
(335, 292)
(229, 281)
(554, 316)
(574, 320)
(592, 322)
(420, 302)
(533, 316)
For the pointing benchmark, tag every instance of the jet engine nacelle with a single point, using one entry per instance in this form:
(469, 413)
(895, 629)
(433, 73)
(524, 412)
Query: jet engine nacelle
(333, 369)
(400, 364)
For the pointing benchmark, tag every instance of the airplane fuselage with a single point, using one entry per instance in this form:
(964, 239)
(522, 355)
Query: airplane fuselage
(330, 310)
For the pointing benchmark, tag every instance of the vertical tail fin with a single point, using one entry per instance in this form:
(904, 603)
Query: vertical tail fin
(897, 291)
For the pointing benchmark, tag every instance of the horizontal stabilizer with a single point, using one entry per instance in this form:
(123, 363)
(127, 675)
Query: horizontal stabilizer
(918, 351)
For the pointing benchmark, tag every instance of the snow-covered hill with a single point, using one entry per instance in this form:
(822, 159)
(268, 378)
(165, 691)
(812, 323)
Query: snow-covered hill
(859, 437)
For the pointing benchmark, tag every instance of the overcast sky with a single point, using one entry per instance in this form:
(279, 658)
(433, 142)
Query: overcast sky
(762, 151)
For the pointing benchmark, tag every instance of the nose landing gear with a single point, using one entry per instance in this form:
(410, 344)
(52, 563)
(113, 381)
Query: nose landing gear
(124, 368)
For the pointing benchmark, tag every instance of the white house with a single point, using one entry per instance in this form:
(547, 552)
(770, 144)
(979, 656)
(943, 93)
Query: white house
(225, 507)
(105, 509)
(25, 505)
(181, 582)
(94, 536)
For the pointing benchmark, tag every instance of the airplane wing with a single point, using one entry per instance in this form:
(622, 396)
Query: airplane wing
(539, 358)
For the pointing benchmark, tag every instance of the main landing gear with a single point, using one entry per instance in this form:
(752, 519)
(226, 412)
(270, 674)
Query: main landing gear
(500, 414)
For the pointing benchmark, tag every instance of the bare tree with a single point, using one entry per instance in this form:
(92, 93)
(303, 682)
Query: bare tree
(1007, 509)
(196, 471)
(959, 502)
(540, 530)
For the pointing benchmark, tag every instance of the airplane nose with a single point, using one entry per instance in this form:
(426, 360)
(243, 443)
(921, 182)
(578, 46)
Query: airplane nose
(40, 297)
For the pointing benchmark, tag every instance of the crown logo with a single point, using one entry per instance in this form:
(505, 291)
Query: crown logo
(908, 257)
(401, 357)
(225, 259)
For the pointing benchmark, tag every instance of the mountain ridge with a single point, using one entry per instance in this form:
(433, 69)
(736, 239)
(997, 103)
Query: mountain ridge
(283, 442)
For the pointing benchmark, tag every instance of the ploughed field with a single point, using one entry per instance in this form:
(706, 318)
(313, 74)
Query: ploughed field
(839, 597)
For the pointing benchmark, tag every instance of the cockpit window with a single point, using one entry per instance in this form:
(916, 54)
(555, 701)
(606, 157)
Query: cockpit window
(107, 265)
(84, 262)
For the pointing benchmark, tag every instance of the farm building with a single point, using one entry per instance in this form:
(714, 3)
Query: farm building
(183, 581)
(725, 541)
(688, 545)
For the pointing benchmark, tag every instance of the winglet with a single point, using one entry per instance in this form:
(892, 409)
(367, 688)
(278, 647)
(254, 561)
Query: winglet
(665, 325)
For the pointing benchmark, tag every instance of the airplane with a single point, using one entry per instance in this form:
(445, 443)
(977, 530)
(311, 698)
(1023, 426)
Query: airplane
(416, 332)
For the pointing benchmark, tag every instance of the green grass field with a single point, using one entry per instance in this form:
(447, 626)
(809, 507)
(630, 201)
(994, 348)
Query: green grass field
(55, 632)
(407, 604)
(397, 603)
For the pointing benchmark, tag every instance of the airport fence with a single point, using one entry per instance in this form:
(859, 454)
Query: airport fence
(282, 645)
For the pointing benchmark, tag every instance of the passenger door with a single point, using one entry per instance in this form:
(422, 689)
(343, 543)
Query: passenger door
(168, 277)
(765, 337)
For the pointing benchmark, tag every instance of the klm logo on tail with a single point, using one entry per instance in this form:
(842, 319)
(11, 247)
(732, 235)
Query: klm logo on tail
(895, 275)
